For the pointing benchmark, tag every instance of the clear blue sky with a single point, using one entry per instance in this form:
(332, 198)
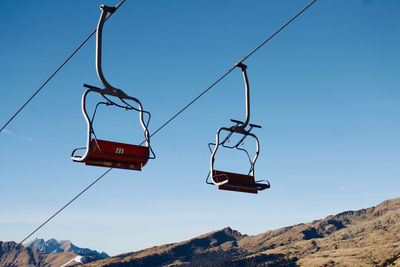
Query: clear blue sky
(325, 90)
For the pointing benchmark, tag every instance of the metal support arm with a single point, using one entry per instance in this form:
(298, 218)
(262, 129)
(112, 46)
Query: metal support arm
(247, 93)
(99, 35)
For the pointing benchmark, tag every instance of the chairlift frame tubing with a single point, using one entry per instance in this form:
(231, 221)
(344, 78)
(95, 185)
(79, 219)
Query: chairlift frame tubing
(89, 125)
(212, 159)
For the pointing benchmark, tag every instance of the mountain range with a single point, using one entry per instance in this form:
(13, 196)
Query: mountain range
(366, 237)
(55, 246)
(48, 253)
(13, 254)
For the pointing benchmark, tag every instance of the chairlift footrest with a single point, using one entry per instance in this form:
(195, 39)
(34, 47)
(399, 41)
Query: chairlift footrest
(254, 125)
(91, 86)
(236, 121)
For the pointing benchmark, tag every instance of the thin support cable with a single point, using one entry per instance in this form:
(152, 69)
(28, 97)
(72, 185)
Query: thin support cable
(66, 205)
(232, 68)
(174, 116)
(191, 102)
(276, 32)
(55, 72)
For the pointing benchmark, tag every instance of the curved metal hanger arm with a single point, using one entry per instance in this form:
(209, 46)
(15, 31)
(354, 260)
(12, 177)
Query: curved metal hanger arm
(99, 35)
(247, 93)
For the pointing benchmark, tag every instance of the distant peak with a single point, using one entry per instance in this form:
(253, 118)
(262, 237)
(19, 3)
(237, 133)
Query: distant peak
(52, 246)
(35, 241)
(227, 229)
(232, 232)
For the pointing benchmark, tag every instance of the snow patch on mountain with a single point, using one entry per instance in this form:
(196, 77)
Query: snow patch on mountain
(77, 259)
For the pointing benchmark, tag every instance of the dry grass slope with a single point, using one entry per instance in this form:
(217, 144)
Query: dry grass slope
(367, 237)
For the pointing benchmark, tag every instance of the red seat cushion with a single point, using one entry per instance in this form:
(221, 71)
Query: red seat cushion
(236, 182)
(117, 155)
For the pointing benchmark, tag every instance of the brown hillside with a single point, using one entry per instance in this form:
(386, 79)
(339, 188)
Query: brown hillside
(218, 245)
(367, 237)
(12, 255)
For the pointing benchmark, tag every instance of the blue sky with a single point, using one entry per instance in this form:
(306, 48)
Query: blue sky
(325, 90)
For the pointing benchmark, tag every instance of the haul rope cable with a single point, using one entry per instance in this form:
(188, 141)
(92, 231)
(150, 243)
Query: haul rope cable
(55, 72)
(66, 205)
(176, 114)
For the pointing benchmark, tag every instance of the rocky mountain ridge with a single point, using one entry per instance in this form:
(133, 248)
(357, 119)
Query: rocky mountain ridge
(51, 253)
(55, 246)
(366, 237)
(13, 254)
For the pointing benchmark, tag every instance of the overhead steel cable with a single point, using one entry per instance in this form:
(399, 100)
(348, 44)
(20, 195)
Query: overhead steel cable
(232, 68)
(277, 31)
(55, 72)
(66, 205)
(178, 113)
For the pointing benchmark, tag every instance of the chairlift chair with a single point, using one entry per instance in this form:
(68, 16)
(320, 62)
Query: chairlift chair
(236, 181)
(108, 153)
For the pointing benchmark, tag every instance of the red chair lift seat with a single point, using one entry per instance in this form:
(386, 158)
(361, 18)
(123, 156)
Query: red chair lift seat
(117, 155)
(236, 182)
